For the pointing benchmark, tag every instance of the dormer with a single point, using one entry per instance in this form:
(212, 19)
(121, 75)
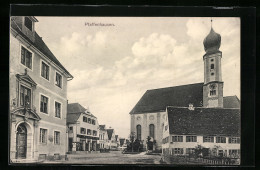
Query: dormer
(28, 26)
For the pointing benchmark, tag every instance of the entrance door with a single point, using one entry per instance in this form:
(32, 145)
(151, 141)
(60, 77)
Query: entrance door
(21, 141)
(70, 144)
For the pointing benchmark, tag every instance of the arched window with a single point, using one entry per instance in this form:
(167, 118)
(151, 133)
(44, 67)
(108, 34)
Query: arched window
(138, 132)
(212, 66)
(151, 130)
(212, 90)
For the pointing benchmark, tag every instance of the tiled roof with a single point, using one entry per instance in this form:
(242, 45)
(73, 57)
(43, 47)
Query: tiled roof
(157, 99)
(231, 102)
(40, 45)
(109, 133)
(75, 108)
(204, 121)
(72, 117)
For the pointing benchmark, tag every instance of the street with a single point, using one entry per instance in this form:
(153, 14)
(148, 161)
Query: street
(114, 157)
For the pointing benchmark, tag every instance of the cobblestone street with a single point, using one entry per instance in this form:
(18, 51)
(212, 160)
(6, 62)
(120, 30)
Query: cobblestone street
(114, 157)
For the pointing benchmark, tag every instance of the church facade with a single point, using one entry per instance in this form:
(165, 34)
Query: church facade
(38, 96)
(148, 117)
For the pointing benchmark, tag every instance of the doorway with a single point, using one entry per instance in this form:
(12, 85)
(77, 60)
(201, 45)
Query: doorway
(21, 142)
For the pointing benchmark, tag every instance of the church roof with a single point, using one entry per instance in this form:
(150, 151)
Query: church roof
(215, 121)
(40, 45)
(158, 99)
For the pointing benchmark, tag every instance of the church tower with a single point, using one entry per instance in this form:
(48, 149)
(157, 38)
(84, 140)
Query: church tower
(213, 84)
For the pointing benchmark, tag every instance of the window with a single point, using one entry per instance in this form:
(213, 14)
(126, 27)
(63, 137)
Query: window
(191, 138)
(88, 132)
(151, 130)
(190, 150)
(139, 131)
(85, 119)
(43, 135)
(89, 120)
(208, 139)
(56, 137)
(166, 127)
(234, 140)
(93, 122)
(44, 104)
(25, 96)
(220, 139)
(212, 60)
(177, 151)
(212, 74)
(211, 66)
(94, 133)
(177, 138)
(58, 80)
(28, 23)
(82, 130)
(26, 58)
(45, 71)
(234, 153)
(212, 91)
(57, 109)
(71, 129)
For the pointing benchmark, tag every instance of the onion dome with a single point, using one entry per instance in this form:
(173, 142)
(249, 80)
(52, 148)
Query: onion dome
(212, 42)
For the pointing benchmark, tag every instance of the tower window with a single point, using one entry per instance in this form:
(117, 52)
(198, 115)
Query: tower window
(212, 60)
(212, 74)
(212, 66)
(212, 91)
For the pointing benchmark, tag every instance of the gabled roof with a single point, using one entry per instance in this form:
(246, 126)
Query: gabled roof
(73, 117)
(40, 45)
(157, 99)
(231, 102)
(75, 108)
(109, 133)
(204, 121)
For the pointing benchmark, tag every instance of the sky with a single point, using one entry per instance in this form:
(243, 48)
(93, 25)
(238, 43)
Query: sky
(114, 65)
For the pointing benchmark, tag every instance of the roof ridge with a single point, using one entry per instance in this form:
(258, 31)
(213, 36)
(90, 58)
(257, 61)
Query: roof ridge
(175, 86)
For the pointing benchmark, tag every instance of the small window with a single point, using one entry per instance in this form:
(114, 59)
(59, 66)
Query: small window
(177, 151)
(71, 128)
(44, 104)
(212, 60)
(191, 138)
(58, 80)
(212, 74)
(234, 140)
(220, 139)
(93, 122)
(28, 23)
(43, 135)
(208, 139)
(212, 91)
(57, 109)
(25, 96)
(45, 71)
(56, 137)
(82, 130)
(89, 120)
(177, 138)
(85, 119)
(26, 58)
(212, 66)
(88, 132)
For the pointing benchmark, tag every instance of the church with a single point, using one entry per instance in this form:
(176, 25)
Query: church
(198, 106)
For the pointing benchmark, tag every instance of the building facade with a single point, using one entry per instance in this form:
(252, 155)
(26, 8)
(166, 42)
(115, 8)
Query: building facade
(38, 95)
(112, 141)
(148, 115)
(103, 137)
(83, 129)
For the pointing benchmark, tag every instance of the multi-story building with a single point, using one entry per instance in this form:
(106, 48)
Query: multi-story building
(103, 137)
(38, 95)
(148, 115)
(83, 133)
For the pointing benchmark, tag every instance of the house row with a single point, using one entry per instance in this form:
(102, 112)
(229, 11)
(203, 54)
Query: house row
(182, 118)
(85, 133)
